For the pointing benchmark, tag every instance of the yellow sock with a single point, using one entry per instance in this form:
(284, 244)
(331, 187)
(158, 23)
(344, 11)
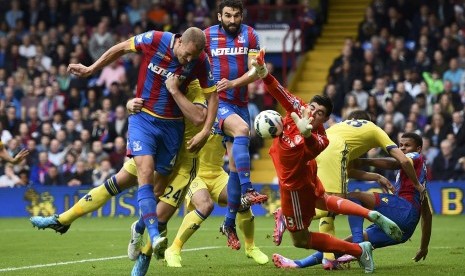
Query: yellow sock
(245, 221)
(327, 226)
(320, 214)
(147, 249)
(190, 224)
(93, 200)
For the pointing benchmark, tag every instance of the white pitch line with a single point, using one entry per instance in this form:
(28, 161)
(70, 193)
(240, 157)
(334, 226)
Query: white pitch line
(184, 250)
(92, 260)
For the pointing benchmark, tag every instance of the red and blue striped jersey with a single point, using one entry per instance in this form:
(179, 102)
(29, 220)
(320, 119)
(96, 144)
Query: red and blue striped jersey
(404, 186)
(159, 62)
(229, 55)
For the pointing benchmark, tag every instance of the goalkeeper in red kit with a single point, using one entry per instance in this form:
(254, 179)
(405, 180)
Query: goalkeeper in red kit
(293, 153)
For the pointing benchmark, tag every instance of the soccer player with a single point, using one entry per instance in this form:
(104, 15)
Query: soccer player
(208, 187)
(230, 47)
(183, 174)
(293, 154)
(404, 207)
(349, 140)
(155, 134)
(4, 155)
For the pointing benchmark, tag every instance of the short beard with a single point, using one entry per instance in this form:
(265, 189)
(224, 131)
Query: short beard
(226, 29)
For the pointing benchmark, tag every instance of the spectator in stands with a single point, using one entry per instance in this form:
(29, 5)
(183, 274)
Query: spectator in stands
(54, 177)
(57, 153)
(57, 121)
(349, 106)
(102, 173)
(440, 65)
(100, 41)
(49, 104)
(458, 129)
(14, 14)
(445, 162)
(119, 126)
(361, 95)
(11, 121)
(93, 101)
(438, 130)
(434, 82)
(9, 178)
(397, 118)
(454, 75)
(115, 73)
(118, 154)
(100, 154)
(39, 170)
(33, 157)
(82, 175)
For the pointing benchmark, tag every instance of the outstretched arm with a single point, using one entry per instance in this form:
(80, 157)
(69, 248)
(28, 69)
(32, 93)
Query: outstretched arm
(14, 160)
(369, 176)
(426, 223)
(245, 79)
(386, 163)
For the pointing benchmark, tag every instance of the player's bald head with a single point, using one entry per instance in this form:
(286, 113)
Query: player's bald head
(196, 36)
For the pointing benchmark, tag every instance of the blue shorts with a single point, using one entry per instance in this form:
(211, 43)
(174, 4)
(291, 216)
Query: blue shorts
(227, 109)
(160, 138)
(399, 210)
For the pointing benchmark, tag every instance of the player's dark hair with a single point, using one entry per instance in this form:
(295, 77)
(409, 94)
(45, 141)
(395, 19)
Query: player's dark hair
(415, 137)
(324, 101)
(235, 4)
(359, 115)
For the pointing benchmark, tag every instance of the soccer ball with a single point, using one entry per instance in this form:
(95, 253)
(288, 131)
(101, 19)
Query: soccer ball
(268, 124)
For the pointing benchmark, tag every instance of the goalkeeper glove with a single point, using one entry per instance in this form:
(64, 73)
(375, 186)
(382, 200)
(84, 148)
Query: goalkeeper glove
(303, 124)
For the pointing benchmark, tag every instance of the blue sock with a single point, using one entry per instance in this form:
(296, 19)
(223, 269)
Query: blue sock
(311, 260)
(148, 209)
(140, 225)
(356, 225)
(241, 156)
(234, 198)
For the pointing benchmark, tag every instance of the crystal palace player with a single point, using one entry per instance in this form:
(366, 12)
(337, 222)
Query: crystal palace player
(229, 47)
(155, 134)
(293, 154)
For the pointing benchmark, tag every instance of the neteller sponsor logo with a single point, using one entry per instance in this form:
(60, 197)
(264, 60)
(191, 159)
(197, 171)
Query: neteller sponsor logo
(163, 72)
(230, 51)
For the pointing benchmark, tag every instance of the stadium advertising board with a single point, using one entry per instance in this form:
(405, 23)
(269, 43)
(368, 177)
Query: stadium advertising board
(445, 198)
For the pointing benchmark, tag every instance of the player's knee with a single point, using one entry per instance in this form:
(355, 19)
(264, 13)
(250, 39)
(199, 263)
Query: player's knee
(204, 204)
(242, 130)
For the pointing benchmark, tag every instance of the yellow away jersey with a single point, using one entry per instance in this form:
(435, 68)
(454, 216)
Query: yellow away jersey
(359, 136)
(195, 95)
(1, 145)
(211, 157)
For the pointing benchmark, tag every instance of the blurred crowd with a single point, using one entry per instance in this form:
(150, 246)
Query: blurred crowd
(407, 69)
(76, 129)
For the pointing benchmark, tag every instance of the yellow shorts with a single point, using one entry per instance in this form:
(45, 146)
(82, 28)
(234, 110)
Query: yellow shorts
(183, 174)
(332, 167)
(213, 185)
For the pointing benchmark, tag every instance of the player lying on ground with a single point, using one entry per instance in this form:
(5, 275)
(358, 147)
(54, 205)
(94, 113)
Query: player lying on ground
(348, 140)
(293, 153)
(404, 207)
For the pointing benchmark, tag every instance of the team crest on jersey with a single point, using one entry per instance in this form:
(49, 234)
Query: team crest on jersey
(240, 39)
(210, 75)
(385, 200)
(136, 146)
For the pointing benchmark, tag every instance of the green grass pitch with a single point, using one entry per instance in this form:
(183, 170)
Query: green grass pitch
(97, 246)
